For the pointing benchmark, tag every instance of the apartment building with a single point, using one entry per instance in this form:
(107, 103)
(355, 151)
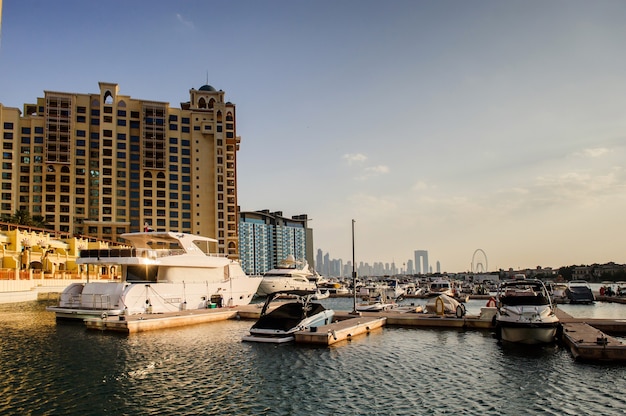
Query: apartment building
(267, 238)
(103, 164)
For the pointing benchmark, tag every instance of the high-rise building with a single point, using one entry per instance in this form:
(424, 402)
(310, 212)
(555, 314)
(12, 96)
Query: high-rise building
(421, 262)
(103, 163)
(267, 238)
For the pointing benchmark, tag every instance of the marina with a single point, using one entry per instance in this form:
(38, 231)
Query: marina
(206, 369)
(584, 338)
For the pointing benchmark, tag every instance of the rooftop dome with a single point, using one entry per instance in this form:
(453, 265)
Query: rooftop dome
(207, 88)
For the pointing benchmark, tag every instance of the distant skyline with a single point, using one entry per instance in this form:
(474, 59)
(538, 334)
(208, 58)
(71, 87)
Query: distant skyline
(445, 125)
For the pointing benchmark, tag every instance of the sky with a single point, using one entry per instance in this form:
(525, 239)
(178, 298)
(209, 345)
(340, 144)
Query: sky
(448, 126)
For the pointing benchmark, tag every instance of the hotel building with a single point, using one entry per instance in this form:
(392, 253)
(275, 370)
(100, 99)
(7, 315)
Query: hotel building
(103, 164)
(267, 238)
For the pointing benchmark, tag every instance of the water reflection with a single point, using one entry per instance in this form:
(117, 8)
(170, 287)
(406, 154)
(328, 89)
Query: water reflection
(205, 369)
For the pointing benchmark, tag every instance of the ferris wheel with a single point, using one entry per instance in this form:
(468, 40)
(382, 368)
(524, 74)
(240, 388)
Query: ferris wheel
(479, 261)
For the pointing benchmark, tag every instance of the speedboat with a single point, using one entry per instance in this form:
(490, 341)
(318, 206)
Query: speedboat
(281, 324)
(159, 272)
(288, 275)
(525, 313)
(579, 291)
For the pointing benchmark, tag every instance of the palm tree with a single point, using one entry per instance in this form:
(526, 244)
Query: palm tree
(22, 217)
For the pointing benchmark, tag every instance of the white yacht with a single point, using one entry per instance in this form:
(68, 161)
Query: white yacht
(160, 272)
(289, 275)
(525, 313)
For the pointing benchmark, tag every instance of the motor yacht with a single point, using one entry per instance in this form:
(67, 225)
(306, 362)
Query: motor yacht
(158, 272)
(290, 274)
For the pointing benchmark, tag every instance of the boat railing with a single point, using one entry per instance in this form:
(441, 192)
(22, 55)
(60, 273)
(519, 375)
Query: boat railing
(97, 301)
(129, 252)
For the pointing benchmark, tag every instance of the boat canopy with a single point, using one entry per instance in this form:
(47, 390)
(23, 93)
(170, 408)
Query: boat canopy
(192, 244)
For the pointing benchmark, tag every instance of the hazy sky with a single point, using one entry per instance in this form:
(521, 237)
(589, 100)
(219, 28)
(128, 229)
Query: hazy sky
(446, 126)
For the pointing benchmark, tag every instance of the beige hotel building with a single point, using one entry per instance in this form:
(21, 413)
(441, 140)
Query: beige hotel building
(103, 164)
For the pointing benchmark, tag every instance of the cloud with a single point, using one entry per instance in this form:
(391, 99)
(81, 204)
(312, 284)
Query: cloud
(375, 170)
(354, 158)
(597, 152)
(187, 23)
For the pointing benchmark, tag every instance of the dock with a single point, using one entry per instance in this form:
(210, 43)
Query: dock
(149, 322)
(340, 330)
(587, 339)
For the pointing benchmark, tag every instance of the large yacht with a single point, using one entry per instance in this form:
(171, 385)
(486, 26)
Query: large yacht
(288, 275)
(159, 272)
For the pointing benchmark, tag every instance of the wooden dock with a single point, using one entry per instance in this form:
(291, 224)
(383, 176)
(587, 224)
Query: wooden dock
(587, 341)
(150, 322)
(341, 330)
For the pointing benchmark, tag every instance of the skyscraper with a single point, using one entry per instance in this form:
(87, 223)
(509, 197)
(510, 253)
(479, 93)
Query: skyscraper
(421, 262)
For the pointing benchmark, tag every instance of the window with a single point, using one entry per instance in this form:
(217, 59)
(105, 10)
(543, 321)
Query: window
(8, 126)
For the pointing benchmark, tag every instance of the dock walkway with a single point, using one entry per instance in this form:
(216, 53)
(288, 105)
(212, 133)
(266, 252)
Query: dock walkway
(585, 338)
(587, 341)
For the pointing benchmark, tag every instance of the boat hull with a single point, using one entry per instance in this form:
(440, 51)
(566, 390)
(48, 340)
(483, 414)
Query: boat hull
(279, 284)
(528, 334)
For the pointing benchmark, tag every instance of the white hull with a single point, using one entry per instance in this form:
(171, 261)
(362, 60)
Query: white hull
(375, 307)
(528, 335)
(271, 285)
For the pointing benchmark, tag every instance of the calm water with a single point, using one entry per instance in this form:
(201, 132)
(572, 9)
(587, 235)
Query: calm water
(50, 369)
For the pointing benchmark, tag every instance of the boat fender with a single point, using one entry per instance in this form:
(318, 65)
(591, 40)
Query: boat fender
(440, 308)
(460, 311)
(491, 303)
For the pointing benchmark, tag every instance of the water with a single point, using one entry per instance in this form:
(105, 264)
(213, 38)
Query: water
(50, 369)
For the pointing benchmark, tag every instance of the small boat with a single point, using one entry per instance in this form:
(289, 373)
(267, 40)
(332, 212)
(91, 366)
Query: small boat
(375, 302)
(290, 274)
(579, 291)
(281, 324)
(558, 292)
(159, 272)
(525, 313)
(440, 287)
(319, 295)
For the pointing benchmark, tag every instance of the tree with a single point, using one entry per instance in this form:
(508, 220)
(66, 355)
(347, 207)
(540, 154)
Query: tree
(23, 217)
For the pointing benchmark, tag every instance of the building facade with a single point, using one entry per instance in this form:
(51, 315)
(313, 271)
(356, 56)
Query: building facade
(103, 164)
(267, 238)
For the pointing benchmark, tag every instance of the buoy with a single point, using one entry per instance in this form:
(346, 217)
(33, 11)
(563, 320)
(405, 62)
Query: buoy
(491, 303)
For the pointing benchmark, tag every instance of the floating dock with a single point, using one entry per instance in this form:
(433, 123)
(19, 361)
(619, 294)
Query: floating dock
(149, 322)
(341, 330)
(587, 339)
